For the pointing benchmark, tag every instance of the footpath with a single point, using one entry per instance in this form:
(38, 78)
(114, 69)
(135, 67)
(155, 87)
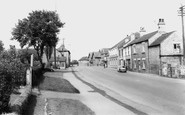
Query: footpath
(99, 104)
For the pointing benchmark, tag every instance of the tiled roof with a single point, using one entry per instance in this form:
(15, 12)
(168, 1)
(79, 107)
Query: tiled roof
(123, 42)
(143, 38)
(117, 44)
(161, 39)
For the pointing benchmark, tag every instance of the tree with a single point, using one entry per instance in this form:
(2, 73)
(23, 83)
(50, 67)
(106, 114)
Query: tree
(39, 30)
(25, 55)
(1, 46)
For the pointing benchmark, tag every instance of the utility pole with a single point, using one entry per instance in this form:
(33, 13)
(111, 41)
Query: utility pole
(182, 14)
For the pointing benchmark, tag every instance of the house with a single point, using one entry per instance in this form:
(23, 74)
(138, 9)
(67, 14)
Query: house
(113, 59)
(139, 55)
(127, 50)
(165, 50)
(121, 55)
(63, 57)
(104, 56)
(94, 58)
(84, 61)
(65, 54)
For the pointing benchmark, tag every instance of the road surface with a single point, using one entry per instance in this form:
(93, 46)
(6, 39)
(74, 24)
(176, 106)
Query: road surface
(140, 93)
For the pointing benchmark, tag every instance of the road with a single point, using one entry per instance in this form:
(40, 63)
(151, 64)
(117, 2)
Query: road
(145, 93)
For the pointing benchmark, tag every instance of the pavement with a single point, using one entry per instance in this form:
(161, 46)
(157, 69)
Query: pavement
(92, 99)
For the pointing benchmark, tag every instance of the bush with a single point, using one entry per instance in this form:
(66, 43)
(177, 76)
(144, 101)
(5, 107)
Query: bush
(5, 91)
(12, 75)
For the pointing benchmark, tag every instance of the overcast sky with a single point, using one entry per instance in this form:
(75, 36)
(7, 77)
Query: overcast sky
(93, 24)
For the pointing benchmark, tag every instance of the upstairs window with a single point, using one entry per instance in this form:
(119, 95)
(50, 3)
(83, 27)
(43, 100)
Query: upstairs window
(176, 47)
(143, 47)
(134, 49)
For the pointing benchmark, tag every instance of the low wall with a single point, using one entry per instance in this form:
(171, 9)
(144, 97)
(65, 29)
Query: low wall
(21, 101)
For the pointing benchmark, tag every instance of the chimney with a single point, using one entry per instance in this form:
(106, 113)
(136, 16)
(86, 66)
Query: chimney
(161, 26)
(142, 31)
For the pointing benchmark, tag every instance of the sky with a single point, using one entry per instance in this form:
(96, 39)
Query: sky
(93, 24)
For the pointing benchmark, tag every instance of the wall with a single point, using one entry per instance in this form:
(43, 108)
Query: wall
(154, 59)
(167, 47)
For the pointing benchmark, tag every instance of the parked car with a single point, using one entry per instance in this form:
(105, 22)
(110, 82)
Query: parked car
(122, 68)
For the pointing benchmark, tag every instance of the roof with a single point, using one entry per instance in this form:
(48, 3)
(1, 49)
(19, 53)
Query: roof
(160, 39)
(124, 41)
(143, 38)
(97, 54)
(62, 49)
(117, 44)
(104, 50)
(85, 58)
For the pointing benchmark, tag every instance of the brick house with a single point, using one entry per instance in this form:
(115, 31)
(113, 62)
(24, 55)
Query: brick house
(139, 52)
(166, 49)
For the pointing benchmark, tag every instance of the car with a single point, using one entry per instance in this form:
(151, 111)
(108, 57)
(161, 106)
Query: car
(122, 68)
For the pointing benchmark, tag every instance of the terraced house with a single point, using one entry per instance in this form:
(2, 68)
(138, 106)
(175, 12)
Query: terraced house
(113, 59)
(139, 49)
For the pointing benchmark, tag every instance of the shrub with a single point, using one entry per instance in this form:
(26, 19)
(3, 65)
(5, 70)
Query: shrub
(5, 91)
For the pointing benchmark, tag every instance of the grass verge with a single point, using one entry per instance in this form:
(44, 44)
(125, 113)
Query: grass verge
(58, 84)
(68, 107)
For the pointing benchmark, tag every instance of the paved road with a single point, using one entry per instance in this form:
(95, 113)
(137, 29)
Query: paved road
(147, 93)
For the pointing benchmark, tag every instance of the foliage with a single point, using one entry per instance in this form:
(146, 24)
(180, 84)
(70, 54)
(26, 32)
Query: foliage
(39, 30)
(12, 75)
(5, 91)
(1, 46)
(25, 55)
(48, 51)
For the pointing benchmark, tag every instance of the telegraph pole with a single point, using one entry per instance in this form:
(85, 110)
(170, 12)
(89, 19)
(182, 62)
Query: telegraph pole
(182, 14)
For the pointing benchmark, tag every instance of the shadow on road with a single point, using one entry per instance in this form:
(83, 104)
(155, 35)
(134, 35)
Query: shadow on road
(29, 110)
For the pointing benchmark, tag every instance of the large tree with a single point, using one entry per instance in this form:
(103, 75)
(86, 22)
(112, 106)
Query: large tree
(39, 30)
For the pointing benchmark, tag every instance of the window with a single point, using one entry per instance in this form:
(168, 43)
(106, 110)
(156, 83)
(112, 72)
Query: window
(134, 63)
(143, 47)
(139, 63)
(143, 63)
(121, 52)
(176, 47)
(134, 49)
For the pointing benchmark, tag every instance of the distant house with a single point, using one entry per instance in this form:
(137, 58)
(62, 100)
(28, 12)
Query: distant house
(94, 58)
(166, 49)
(65, 53)
(113, 59)
(84, 61)
(104, 55)
(62, 57)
